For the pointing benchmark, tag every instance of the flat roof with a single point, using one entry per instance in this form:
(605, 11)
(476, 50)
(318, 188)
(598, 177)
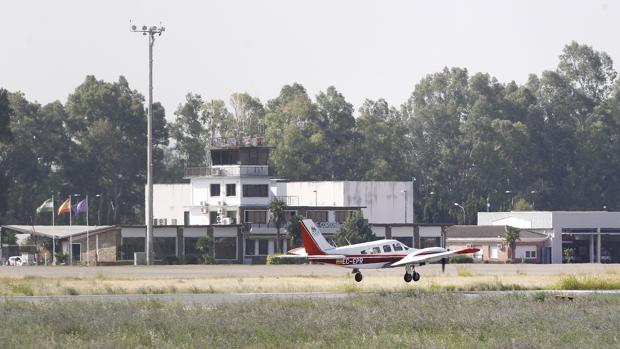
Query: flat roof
(57, 231)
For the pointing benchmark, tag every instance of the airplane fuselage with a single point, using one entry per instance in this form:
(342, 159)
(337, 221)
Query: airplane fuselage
(368, 255)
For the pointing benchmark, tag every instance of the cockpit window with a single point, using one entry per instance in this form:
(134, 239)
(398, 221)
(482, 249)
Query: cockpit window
(387, 248)
(398, 247)
(376, 250)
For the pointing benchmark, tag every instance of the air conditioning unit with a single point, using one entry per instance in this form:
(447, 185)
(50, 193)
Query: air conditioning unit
(204, 210)
(226, 220)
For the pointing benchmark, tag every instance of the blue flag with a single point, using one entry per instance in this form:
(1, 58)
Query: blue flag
(81, 207)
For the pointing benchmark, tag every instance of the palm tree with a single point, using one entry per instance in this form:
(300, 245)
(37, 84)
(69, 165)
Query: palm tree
(276, 213)
(512, 235)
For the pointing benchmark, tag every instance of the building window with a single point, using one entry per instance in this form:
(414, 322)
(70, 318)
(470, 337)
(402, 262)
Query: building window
(494, 252)
(76, 251)
(250, 247)
(317, 216)
(190, 246)
(263, 247)
(256, 217)
(164, 246)
(342, 216)
(530, 254)
(405, 240)
(232, 215)
(130, 246)
(215, 190)
(173, 221)
(429, 242)
(212, 217)
(225, 248)
(255, 190)
(231, 189)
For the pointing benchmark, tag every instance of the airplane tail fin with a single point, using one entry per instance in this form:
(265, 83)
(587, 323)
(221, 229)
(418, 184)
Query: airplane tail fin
(314, 241)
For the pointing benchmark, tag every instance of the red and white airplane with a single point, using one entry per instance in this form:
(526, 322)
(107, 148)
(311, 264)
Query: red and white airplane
(370, 255)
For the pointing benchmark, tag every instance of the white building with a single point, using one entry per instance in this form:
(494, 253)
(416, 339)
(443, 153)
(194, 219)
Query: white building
(593, 236)
(238, 188)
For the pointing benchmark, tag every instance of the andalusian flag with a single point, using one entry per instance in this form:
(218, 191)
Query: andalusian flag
(47, 206)
(65, 207)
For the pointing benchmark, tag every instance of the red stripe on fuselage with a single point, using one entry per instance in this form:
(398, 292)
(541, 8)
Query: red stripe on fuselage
(358, 259)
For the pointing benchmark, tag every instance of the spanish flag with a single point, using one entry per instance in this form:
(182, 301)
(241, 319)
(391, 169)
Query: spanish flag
(65, 207)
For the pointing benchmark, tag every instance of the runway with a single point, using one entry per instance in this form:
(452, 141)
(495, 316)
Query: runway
(227, 298)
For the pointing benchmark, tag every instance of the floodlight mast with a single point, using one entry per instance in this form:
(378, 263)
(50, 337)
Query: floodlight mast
(151, 31)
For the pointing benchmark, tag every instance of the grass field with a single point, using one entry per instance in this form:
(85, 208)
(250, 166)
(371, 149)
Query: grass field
(304, 278)
(413, 319)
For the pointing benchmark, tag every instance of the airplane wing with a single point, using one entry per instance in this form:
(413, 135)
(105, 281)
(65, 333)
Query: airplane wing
(417, 257)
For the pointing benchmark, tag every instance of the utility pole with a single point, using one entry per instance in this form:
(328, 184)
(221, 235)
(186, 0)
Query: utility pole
(150, 31)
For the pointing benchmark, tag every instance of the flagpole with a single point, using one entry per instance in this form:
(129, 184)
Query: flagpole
(53, 210)
(70, 209)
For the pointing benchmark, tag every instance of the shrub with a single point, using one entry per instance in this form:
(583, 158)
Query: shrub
(191, 259)
(284, 259)
(26, 290)
(61, 258)
(462, 259)
(172, 259)
(208, 259)
(71, 291)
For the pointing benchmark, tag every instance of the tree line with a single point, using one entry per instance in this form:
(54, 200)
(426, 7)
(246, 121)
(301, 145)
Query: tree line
(551, 143)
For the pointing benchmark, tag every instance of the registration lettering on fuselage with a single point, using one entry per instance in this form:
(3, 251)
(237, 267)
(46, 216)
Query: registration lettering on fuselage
(353, 260)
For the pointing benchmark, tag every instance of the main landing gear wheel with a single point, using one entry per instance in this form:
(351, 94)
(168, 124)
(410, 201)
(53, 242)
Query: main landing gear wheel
(358, 276)
(416, 276)
(408, 277)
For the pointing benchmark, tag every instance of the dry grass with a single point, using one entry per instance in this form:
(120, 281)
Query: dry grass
(300, 278)
(463, 279)
(416, 320)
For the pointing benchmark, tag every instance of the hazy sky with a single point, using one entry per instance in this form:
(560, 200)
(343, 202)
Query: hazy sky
(366, 49)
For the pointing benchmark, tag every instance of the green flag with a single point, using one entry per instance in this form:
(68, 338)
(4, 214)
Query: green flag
(47, 206)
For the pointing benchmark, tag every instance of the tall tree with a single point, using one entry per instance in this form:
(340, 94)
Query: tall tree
(5, 139)
(354, 230)
(189, 131)
(105, 120)
(289, 122)
(276, 213)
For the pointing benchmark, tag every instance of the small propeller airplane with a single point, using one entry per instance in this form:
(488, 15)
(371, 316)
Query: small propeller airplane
(370, 255)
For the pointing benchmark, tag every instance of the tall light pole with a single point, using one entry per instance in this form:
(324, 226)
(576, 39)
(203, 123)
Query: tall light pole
(413, 179)
(315, 196)
(462, 208)
(151, 32)
(405, 191)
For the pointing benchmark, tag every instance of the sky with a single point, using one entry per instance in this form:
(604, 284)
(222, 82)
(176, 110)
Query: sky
(366, 49)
